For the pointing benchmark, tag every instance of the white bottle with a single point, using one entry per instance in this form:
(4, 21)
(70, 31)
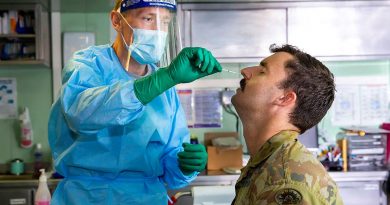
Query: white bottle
(42, 197)
(26, 129)
(5, 23)
(1, 24)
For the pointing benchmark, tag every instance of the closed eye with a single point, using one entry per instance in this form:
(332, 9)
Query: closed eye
(262, 70)
(263, 67)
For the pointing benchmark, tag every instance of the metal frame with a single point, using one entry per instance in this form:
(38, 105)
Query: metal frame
(272, 4)
(185, 9)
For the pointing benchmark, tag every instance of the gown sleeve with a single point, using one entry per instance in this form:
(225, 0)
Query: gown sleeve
(173, 176)
(89, 102)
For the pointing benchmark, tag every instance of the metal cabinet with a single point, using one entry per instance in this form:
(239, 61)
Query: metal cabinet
(361, 188)
(362, 193)
(22, 192)
(20, 196)
(340, 31)
(352, 193)
(331, 30)
(235, 34)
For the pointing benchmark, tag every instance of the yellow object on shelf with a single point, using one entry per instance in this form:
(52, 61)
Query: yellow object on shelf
(344, 149)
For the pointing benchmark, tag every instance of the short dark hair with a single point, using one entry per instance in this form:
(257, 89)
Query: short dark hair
(313, 84)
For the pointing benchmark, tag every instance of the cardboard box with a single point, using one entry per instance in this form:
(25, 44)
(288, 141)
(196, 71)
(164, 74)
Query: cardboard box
(219, 158)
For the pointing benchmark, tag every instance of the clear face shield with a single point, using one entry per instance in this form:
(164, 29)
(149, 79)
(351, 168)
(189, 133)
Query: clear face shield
(152, 37)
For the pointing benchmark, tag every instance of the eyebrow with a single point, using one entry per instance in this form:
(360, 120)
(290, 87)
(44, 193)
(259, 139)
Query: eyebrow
(264, 64)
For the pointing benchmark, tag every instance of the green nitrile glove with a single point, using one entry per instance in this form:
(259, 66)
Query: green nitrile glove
(189, 65)
(193, 158)
(192, 64)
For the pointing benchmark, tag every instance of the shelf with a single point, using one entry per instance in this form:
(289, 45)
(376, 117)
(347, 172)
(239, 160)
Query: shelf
(37, 42)
(17, 35)
(21, 62)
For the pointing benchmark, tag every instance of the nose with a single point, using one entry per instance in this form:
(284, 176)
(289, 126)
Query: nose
(162, 26)
(156, 26)
(246, 73)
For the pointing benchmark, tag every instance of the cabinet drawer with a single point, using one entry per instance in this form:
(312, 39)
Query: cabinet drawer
(16, 196)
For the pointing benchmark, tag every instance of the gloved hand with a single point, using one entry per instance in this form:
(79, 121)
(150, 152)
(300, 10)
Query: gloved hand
(192, 64)
(193, 158)
(189, 65)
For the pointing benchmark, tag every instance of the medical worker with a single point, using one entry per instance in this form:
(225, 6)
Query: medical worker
(118, 132)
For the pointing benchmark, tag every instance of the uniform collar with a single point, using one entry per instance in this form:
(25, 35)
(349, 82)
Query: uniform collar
(271, 145)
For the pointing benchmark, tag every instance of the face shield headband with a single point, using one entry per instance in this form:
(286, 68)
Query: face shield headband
(134, 4)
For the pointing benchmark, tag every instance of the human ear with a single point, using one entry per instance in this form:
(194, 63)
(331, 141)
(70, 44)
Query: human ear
(288, 98)
(116, 21)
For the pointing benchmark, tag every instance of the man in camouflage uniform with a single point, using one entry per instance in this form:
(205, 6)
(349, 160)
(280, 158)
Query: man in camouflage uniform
(288, 93)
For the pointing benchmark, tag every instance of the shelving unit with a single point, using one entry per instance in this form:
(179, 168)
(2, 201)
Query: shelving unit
(32, 48)
(17, 35)
(21, 62)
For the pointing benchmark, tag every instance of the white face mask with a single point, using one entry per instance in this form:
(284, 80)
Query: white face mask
(148, 45)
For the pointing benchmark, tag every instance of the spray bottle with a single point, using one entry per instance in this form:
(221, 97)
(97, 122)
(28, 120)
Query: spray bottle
(42, 197)
(26, 129)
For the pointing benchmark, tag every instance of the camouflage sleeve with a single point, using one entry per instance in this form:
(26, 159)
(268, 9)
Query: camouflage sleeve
(292, 193)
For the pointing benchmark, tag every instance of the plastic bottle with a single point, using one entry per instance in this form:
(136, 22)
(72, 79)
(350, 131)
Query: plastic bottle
(20, 24)
(26, 129)
(38, 160)
(13, 16)
(42, 197)
(1, 23)
(194, 139)
(5, 23)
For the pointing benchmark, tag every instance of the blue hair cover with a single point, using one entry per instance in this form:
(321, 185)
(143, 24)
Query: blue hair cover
(134, 4)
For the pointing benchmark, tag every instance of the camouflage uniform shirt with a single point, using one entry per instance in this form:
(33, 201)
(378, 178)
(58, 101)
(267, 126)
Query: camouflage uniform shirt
(283, 171)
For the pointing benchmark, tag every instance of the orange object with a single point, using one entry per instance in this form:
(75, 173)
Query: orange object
(345, 155)
(13, 15)
(219, 158)
(13, 25)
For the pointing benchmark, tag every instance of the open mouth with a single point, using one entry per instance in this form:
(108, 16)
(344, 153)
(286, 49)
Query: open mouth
(242, 84)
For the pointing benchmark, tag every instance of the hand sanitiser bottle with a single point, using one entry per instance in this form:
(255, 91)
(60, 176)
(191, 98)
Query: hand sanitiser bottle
(42, 197)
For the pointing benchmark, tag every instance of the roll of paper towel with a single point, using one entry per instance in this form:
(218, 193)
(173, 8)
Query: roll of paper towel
(213, 195)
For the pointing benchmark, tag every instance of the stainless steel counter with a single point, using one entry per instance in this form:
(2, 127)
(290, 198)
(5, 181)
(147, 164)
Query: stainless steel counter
(367, 185)
(221, 178)
(359, 176)
(22, 183)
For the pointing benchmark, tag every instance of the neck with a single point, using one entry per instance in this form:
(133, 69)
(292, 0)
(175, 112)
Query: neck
(258, 131)
(122, 53)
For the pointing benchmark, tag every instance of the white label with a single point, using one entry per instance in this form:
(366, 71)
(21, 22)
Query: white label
(368, 151)
(17, 201)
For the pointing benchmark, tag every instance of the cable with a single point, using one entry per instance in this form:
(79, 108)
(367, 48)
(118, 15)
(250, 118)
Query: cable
(229, 110)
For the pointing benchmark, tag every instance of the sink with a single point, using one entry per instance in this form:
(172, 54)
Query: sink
(16, 177)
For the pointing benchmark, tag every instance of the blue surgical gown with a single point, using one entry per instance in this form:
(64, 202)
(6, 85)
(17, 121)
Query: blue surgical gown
(111, 148)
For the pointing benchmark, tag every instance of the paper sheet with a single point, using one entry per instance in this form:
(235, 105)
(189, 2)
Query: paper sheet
(202, 107)
(207, 108)
(8, 106)
(346, 106)
(360, 102)
(186, 102)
